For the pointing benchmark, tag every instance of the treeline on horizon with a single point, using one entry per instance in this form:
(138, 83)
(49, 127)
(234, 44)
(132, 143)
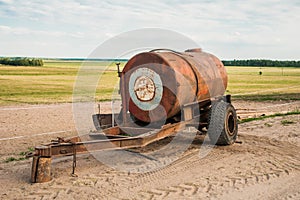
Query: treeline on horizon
(262, 63)
(24, 61)
(20, 61)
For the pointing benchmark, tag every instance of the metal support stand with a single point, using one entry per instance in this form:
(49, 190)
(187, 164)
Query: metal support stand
(41, 169)
(74, 160)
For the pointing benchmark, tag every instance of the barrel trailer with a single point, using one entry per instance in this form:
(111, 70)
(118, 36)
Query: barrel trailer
(162, 92)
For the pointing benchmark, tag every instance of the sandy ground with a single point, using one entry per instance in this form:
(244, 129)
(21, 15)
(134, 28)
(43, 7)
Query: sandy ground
(265, 164)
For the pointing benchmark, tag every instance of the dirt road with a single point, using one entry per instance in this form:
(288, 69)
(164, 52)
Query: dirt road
(264, 165)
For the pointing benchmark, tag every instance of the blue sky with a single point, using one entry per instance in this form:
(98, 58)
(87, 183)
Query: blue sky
(74, 28)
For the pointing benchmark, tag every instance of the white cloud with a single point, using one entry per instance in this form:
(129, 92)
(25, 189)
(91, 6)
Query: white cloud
(6, 1)
(216, 25)
(5, 29)
(29, 32)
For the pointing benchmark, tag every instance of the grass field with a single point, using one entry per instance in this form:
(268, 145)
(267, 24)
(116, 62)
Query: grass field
(274, 83)
(53, 83)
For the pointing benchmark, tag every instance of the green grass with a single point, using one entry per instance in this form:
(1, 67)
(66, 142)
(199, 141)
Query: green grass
(54, 82)
(274, 84)
(20, 156)
(284, 122)
(287, 122)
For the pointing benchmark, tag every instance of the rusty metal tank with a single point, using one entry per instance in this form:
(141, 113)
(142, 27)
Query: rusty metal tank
(156, 84)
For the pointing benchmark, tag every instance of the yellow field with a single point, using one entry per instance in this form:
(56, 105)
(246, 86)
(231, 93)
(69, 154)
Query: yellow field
(53, 83)
(274, 83)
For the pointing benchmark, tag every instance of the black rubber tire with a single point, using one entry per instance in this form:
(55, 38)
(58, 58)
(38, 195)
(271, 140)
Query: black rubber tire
(223, 125)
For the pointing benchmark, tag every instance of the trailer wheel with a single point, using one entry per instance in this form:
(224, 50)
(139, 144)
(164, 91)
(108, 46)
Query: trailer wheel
(222, 128)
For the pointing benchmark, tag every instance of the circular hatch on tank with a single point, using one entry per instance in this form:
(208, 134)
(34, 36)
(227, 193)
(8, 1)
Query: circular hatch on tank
(145, 88)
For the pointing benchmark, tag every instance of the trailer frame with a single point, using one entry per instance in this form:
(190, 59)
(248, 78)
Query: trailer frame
(111, 137)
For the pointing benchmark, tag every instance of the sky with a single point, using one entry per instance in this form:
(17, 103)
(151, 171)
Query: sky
(230, 29)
